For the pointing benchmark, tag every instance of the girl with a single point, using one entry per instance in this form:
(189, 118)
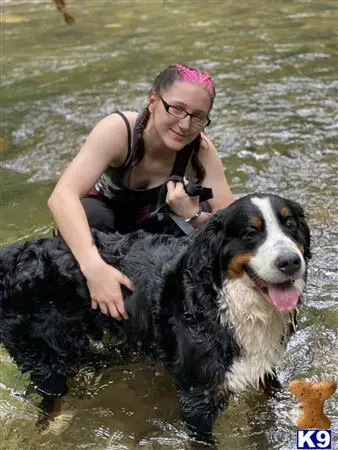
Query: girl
(115, 181)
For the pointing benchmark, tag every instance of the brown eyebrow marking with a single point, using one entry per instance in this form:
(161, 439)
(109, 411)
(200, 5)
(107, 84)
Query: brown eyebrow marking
(284, 212)
(256, 222)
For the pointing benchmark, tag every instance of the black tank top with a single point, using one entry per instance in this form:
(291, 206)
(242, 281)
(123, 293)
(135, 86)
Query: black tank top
(133, 207)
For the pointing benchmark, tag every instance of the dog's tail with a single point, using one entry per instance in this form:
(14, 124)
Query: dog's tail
(8, 256)
(16, 265)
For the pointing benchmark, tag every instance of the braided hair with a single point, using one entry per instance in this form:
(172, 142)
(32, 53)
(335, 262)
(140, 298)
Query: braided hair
(165, 79)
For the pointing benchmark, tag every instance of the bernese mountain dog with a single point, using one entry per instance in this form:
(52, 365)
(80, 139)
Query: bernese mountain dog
(216, 307)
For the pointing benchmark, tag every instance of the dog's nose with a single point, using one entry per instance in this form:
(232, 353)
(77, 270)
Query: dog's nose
(288, 263)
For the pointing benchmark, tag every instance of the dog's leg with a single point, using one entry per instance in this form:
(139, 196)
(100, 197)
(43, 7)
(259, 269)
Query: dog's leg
(48, 408)
(199, 409)
(48, 370)
(54, 385)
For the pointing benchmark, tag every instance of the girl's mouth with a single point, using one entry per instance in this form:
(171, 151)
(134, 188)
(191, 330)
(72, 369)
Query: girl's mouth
(178, 136)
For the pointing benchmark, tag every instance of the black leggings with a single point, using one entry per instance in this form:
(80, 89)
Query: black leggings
(101, 216)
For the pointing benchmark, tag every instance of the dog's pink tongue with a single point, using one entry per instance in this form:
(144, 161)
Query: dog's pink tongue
(285, 298)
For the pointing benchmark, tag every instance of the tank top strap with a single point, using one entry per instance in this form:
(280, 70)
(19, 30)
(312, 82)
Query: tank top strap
(126, 121)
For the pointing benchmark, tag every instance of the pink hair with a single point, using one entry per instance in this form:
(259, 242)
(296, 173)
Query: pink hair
(192, 75)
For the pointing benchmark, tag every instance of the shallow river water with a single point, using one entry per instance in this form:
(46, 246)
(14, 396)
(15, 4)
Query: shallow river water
(275, 125)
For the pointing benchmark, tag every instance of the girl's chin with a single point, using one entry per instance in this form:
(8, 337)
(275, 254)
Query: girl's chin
(176, 146)
(174, 141)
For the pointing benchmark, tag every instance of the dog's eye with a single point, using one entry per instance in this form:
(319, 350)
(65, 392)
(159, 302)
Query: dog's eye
(291, 224)
(249, 233)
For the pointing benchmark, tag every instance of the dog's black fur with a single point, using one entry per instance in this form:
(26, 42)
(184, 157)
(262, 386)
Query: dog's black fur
(174, 315)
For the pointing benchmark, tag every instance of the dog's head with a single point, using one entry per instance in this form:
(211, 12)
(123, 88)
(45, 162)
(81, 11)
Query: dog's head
(264, 238)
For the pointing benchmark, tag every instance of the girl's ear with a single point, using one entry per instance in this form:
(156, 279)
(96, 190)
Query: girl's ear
(152, 97)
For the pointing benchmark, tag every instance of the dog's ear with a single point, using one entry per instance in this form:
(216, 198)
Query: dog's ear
(302, 219)
(307, 248)
(205, 254)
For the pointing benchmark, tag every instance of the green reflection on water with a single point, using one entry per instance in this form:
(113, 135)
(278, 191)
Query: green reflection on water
(33, 218)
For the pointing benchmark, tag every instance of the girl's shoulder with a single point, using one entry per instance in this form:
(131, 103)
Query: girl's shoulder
(131, 116)
(110, 136)
(115, 121)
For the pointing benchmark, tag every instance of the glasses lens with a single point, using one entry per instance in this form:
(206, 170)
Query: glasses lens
(177, 112)
(200, 121)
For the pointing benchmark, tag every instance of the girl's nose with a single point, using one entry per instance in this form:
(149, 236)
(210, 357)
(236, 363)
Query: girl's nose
(185, 123)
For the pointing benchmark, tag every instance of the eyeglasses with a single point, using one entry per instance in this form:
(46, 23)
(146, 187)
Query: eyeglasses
(181, 113)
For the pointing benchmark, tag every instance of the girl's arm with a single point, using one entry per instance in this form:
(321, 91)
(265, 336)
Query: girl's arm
(215, 177)
(106, 144)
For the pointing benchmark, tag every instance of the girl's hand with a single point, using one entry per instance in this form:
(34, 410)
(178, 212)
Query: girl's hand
(180, 202)
(104, 284)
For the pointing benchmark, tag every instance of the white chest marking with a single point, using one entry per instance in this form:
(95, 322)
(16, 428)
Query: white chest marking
(259, 330)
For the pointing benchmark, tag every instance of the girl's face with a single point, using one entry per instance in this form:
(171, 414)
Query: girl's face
(182, 96)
